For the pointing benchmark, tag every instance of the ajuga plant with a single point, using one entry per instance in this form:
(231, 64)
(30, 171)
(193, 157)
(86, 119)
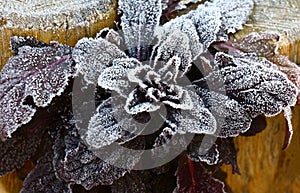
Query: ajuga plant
(77, 112)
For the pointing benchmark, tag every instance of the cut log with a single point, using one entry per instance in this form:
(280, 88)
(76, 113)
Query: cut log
(264, 166)
(62, 21)
(282, 16)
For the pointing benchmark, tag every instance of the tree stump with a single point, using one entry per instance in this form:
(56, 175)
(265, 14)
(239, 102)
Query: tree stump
(264, 166)
(62, 21)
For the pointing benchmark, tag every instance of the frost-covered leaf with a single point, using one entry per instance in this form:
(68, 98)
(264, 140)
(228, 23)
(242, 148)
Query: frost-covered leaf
(198, 120)
(43, 179)
(17, 42)
(214, 20)
(21, 147)
(255, 83)
(184, 25)
(193, 178)
(176, 45)
(134, 106)
(234, 14)
(75, 163)
(138, 20)
(92, 56)
(115, 77)
(111, 123)
(40, 72)
(207, 20)
(104, 127)
(266, 45)
(232, 119)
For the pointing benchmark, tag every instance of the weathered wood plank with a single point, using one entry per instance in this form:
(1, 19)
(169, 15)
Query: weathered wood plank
(264, 166)
(282, 16)
(62, 21)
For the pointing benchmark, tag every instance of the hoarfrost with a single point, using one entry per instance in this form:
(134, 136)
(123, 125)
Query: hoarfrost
(40, 72)
(92, 56)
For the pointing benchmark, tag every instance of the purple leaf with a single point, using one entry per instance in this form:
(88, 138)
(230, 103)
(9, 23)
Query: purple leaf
(92, 56)
(40, 72)
(255, 83)
(266, 45)
(75, 163)
(138, 20)
(232, 119)
(193, 178)
(21, 147)
(43, 179)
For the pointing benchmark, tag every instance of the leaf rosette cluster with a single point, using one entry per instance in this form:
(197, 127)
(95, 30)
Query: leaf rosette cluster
(172, 71)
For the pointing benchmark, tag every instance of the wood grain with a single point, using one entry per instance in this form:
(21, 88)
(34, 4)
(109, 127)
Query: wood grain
(265, 167)
(62, 21)
(42, 20)
(282, 16)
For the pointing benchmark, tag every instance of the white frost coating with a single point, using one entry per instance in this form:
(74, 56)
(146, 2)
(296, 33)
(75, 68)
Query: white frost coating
(50, 15)
(115, 77)
(186, 26)
(103, 128)
(139, 19)
(185, 100)
(213, 21)
(255, 83)
(138, 75)
(207, 20)
(92, 56)
(231, 118)
(198, 120)
(234, 14)
(42, 73)
(169, 71)
(176, 44)
(13, 112)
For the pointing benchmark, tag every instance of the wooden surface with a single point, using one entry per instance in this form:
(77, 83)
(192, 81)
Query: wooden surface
(277, 15)
(49, 20)
(265, 167)
(60, 20)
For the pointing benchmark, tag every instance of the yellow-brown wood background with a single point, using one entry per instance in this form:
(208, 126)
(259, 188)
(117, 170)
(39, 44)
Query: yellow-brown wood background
(264, 166)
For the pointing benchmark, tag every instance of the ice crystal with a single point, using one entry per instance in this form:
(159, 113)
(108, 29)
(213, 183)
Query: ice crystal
(240, 86)
(173, 73)
(40, 71)
(266, 45)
